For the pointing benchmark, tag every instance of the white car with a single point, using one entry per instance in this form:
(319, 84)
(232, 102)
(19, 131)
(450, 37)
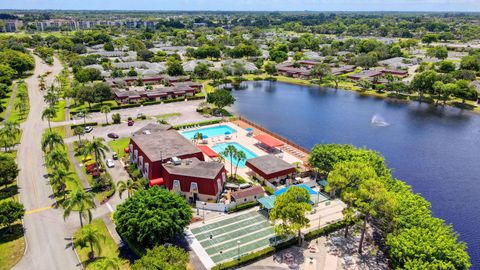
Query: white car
(88, 129)
(110, 163)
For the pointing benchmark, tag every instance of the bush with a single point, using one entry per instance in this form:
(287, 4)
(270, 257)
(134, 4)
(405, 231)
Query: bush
(269, 190)
(243, 207)
(326, 230)
(204, 123)
(116, 118)
(72, 127)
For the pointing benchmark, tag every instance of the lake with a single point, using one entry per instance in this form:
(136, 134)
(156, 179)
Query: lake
(435, 150)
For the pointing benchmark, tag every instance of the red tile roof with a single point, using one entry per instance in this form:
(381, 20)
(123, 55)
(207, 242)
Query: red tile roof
(251, 191)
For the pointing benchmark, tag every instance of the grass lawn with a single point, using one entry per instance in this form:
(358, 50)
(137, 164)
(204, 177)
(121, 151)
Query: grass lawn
(167, 115)
(16, 115)
(77, 107)
(12, 246)
(109, 247)
(119, 145)
(4, 101)
(60, 111)
(61, 130)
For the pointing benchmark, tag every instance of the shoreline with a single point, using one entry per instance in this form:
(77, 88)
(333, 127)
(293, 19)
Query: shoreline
(369, 93)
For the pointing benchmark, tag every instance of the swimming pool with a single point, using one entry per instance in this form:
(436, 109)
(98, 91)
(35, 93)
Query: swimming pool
(209, 131)
(220, 147)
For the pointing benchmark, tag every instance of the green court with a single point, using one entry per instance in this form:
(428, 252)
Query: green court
(226, 239)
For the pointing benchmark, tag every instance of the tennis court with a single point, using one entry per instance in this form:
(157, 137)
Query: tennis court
(224, 240)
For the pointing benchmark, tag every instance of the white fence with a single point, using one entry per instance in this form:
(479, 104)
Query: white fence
(217, 207)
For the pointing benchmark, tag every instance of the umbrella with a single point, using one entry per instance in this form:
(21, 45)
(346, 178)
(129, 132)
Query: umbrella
(205, 137)
(228, 133)
(249, 129)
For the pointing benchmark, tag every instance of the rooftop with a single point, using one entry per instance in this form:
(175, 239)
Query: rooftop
(243, 193)
(270, 164)
(152, 128)
(164, 145)
(195, 168)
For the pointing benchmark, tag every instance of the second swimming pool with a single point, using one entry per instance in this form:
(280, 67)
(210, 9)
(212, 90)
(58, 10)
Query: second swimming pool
(220, 147)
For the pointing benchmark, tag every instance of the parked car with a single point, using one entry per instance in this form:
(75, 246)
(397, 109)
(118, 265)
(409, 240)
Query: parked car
(140, 115)
(114, 155)
(110, 163)
(88, 129)
(112, 135)
(130, 122)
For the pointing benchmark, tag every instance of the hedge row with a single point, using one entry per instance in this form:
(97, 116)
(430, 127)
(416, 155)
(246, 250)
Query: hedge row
(255, 256)
(243, 206)
(84, 125)
(204, 123)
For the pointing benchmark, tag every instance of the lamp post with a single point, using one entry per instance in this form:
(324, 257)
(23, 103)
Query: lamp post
(204, 203)
(238, 249)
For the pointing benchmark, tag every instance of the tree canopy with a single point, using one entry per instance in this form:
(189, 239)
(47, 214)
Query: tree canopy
(163, 258)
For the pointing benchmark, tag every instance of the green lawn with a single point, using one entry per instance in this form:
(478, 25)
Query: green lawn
(77, 107)
(12, 246)
(119, 145)
(61, 130)
(60, 111)
(16, 115)
(109, 247)
(4, 101)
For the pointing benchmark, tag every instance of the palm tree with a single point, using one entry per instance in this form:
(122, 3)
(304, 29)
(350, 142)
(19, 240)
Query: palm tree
(79, 201)
(90, 236)
(198, 136)
(130, 186)
(59, 179)
(57, 159)
(84, 114)
(98, 148)
(105, 109)
(78, 131)
(51, 97)
(229, 152)
(49, 113)
(239, 156)
(51, 139)
(106, 263)
(8, 133)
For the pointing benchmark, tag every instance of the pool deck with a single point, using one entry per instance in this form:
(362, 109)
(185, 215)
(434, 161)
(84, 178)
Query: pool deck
(249, 143)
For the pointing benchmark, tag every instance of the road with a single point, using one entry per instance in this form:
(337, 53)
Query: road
(47, 234)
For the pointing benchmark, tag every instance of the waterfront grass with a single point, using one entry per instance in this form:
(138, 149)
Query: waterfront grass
(108, 246)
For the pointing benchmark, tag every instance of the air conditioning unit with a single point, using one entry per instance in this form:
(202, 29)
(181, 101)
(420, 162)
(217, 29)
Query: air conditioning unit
(176, 161)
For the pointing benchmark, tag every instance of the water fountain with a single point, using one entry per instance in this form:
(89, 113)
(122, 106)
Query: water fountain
(378, 121)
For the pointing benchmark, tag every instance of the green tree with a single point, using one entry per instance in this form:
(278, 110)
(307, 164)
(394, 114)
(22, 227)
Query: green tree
(79, 201)
(198, 136)
(201, 70)
(240, 156)
(161, 257)
(9, 171)
(320, 71)
(116, 118)
(50, 140)
(57, 159)
(174, 67)
(10, 212)
(289, 212)
(83, 113)
(465, 91)
(439, 52)
(230, 151)
(79, 131)
(91, 236)
(98, 147)
(270, 68)
(6, 74)
(220, 98)
(130, 186)
(106, 263)
(216, 75)
(9, 134)
(105, 109)
(49, 113)
(59, 179)
(423, 82)
(152, 216)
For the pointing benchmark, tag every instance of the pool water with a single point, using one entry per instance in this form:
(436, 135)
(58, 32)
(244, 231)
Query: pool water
(209, 131)
(220, 147)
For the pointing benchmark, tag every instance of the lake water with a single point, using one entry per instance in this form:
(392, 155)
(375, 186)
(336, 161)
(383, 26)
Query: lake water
(435, 150)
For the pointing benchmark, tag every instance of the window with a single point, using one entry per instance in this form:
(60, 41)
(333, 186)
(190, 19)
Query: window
(130, 153)
(140, 166)
(219, 185)
(255, 197)
(193, 186)
(135, 155)
(145, 170)
(176, 183)
(245, 199)
(223, 177)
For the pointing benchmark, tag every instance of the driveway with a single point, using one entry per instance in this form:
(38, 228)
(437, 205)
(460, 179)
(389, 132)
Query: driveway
(46, 233)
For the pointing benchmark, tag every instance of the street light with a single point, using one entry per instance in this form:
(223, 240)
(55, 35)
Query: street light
(204, 204)
(238, 249)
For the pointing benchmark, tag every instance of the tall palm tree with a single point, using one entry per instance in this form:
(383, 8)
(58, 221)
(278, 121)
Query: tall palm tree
(239, 156)
(90, 236)
(59, 179)
(130, 186)
(51, 139)
(198, 136)
(106, 263)
(105, 109)
(84, 114)
(98, 147)
(79, 131)
(49, 113)
(57, 159)
(51, 97)
(79, 201)
(8, 133)
(229, 152)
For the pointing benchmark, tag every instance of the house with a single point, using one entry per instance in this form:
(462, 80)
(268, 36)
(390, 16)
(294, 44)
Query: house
(247, 195)
(168, 159)
(365, 75)
(343, 69)
(161, 93)
(270, 168)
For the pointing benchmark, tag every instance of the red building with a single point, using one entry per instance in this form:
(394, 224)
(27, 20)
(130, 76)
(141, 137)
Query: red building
(168, 159)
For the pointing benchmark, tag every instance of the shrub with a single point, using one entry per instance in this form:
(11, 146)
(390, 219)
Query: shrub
(243, 207)
(269, 190)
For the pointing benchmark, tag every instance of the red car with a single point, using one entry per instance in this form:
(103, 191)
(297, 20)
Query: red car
(130, 123)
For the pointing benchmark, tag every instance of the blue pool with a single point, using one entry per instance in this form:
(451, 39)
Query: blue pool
(220, 147)
(209, 131)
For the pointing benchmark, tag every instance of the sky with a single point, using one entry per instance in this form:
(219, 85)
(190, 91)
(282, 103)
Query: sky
(249, 5)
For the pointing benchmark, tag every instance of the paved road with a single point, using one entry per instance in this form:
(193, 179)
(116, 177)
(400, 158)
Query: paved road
(47, 235)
